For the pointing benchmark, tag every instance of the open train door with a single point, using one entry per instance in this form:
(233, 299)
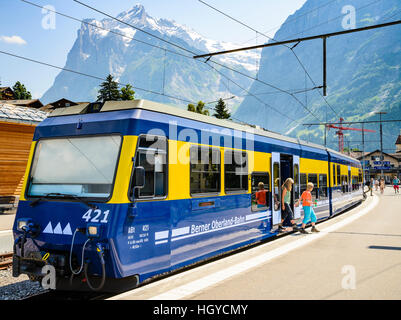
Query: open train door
(276, 184)
(296, 186)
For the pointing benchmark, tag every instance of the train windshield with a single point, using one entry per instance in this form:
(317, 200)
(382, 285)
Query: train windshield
(79, 166)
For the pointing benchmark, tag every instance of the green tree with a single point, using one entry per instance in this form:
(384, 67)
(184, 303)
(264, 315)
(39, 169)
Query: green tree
(127, 93)
(191, 107)
(221, 111)
(20, 92)
(199, 108)
(109, 90)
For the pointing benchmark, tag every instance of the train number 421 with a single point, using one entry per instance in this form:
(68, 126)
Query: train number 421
(96, 216)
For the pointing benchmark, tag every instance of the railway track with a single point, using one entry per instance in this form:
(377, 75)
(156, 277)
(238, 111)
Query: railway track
(6, 260)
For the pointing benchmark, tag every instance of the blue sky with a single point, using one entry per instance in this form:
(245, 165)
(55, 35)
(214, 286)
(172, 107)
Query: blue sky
(22, 32)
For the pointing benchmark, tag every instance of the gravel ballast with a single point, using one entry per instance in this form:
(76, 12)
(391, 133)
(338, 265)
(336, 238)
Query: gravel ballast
(17, 288)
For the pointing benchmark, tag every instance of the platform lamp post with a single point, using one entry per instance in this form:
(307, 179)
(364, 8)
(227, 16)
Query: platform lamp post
(381, 143)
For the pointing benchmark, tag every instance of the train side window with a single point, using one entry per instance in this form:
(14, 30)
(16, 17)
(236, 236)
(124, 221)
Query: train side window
(312, 177)
(235, 171)
(339, 175)
(152, 156)
(204, 170)
(355, 184)
(303, 181)
(322, 186)
(260, 199)
(344, 184)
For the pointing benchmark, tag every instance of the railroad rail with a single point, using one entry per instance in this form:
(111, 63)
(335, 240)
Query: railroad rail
(6, 260)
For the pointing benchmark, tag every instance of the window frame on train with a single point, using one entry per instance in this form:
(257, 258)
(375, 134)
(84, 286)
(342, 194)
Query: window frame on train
(315, 193)
(254, 189)
(231, 169)
(27, 193)
(323, 191)
(135, 193)
(212, 150)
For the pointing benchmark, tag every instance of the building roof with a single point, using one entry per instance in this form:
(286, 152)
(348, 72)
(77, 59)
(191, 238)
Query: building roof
(15, 113)
(4, 89)
(391, 155)
(23, 102)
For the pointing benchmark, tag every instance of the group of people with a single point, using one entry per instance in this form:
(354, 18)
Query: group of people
(381, 184)
(286, 212)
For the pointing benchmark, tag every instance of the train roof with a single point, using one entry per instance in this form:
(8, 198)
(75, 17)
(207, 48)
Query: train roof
(109, 106)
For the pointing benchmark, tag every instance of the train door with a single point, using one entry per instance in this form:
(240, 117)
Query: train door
(276, 183)
(296, 186)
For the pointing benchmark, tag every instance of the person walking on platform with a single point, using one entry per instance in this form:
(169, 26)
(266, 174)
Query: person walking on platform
(396, 183)
(372, 181)
(382, 185)
(376, 184)
(309, 214)
(370, 186)
(287, 216)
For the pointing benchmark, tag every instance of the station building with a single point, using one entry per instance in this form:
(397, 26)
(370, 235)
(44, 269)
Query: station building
(390, 163)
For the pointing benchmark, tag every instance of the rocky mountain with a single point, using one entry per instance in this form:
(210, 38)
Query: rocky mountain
(363, 73)
(108, 46)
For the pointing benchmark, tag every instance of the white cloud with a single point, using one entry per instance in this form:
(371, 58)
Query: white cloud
(13, 40)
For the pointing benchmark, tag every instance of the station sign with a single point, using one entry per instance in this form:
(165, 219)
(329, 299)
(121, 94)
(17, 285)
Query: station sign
(382, 163)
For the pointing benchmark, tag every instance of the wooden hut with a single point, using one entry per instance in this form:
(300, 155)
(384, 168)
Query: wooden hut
(17, 125)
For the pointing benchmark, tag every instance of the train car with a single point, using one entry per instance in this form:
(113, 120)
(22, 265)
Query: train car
(119, 192)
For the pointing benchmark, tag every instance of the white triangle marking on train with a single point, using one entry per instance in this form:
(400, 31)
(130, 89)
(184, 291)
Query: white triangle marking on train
(49, 228)
(67, 229)
(58, 229)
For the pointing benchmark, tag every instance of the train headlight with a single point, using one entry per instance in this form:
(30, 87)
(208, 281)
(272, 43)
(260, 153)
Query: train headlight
(23, 223)
(93, 230)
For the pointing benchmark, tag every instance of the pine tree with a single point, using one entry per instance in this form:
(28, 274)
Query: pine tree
(127, 93)
(20, 92)
(109, 90)
(221, 111)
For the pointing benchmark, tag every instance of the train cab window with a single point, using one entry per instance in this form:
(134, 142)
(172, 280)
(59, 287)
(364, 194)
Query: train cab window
(152, 156)
(312, 177)
(339, 175)
(303, 182)
(276, 186)
(204, 170)
(260, 193)
(235, 171)
(322, 186)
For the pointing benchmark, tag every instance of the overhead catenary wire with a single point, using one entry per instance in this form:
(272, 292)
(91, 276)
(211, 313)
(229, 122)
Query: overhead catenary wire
(152, 45)
(89, 75)
(272, 39)
(187, 50)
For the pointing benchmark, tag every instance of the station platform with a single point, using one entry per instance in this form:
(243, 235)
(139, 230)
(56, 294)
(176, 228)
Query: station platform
(357, 255)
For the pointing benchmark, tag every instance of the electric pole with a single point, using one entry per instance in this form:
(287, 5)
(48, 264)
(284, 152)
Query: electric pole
(381, 142)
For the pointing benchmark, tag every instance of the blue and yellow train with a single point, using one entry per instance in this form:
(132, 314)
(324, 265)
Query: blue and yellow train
(119, 192)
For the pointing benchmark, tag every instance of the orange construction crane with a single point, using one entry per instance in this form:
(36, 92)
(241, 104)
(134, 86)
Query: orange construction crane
(341, 134)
